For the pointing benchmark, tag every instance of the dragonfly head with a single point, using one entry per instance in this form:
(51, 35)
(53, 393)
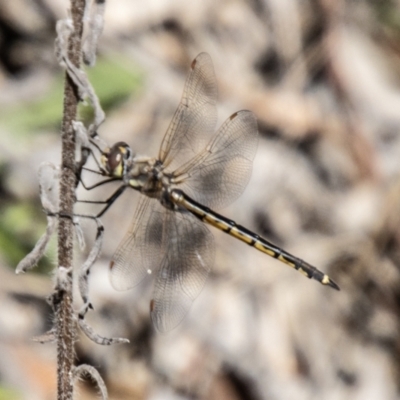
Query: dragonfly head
(117, 159)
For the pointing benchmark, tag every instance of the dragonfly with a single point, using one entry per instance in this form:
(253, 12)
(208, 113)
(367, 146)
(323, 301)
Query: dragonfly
(196, 171)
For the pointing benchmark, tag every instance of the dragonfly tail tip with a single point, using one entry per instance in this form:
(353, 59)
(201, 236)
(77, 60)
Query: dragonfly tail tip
(333, 284)
(329, 282)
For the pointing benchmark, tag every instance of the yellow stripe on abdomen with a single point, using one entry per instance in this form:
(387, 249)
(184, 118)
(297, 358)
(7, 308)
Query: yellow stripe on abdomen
(239, 232)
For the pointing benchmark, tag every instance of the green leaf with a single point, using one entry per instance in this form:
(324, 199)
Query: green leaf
(114, 80)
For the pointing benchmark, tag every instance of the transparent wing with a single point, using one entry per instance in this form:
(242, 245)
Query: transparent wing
(219, 174)
(141, 251)
(184, 268)
(196, 116)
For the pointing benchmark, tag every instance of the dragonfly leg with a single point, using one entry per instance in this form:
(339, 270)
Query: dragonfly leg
(108, 203)
(101, 183)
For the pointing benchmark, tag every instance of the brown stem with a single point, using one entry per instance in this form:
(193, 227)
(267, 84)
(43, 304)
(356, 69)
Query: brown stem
(64, 312)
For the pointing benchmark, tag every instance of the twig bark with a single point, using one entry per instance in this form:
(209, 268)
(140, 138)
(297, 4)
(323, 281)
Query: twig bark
(65, 324)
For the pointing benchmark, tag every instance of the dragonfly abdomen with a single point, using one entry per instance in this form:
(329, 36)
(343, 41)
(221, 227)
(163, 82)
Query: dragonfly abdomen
(245, 235)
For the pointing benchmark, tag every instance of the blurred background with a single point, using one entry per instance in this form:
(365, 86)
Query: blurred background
(323, 78)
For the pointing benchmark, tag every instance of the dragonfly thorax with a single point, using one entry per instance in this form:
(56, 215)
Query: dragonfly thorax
(147, 176)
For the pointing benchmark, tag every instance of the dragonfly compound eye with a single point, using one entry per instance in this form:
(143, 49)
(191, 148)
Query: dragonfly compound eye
(116, 158)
